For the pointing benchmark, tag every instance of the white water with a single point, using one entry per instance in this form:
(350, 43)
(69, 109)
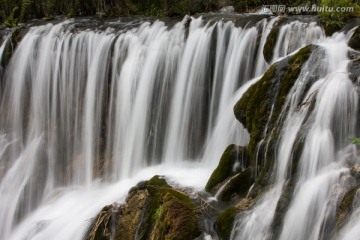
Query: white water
(88, 114)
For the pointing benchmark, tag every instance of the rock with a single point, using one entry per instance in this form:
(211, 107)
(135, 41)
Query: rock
(238, 186)
(355, 40)
(229, 166)
(260, 111)
(153, 210)
(271, 39)
(346, 207)
(225, 220)
(131, 215)
(99, 229)
(254, 108)
(355, 172)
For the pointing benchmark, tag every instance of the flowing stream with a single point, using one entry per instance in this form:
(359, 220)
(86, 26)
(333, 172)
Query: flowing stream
(86, 113)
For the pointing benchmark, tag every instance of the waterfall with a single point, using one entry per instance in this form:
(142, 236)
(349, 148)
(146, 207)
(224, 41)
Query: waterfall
(87, 113)
(312, 211)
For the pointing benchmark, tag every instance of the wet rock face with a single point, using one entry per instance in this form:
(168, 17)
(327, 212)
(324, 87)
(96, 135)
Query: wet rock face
(254, 108)
(355, 40)
(346, 206)
(153, 210)
(231, 162)
(271, 39)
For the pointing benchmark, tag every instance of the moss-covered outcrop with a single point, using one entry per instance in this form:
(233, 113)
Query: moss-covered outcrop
(254, 108)
(229, 165)
(261, 111)
(153, 210)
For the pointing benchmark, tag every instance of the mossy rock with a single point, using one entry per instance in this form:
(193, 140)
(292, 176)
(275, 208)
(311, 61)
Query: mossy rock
(225, 220)
(175, 219)
(232, 156)
(238, 186)
(131, 214)
(261, 111)
(152, 210)
(99, 229)
(346, 206)
(171, 212)
(269, 46)
(355, 40)
(254, 108)
(120, 223)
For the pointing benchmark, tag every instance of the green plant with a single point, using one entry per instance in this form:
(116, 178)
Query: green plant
(13, 19)
(25, 9)
(354, 140)
(335, 13)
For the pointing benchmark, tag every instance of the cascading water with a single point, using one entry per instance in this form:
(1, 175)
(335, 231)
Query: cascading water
(86, 114)
(312, 211)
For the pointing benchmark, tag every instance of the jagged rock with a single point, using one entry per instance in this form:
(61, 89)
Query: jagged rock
(229, 166)
(153, 210)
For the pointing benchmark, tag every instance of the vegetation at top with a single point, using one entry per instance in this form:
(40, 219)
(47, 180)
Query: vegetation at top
(13, 12)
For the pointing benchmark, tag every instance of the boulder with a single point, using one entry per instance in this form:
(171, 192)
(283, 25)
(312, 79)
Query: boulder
(153, 210)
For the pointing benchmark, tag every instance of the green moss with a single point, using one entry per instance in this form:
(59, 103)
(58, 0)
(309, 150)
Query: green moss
(238, 186)
(175, 219)
(333, 21)
(346, 207)
(225, 169)
(13, 19)
(252, 110)
(170, 213)
(270, 43)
